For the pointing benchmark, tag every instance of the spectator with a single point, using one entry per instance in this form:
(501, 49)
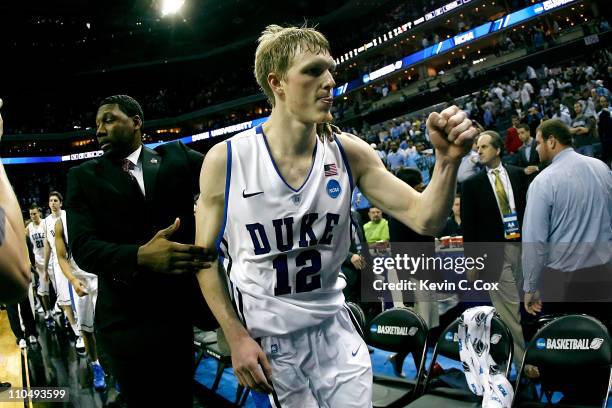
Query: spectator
(605, 130)
(528, 157)
(381, 153)
(422, 160)
(453, 224)
(534, 116)
(407, 148)
(583, 129)
(531, 73)
(560, 111)
(395, 159)
(512, 142)
(377, 229)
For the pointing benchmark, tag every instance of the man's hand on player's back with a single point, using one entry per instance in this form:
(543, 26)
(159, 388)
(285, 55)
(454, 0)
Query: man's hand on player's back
(164, 256)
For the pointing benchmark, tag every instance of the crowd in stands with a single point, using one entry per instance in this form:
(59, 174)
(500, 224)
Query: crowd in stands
(534, 38)
(574, 93)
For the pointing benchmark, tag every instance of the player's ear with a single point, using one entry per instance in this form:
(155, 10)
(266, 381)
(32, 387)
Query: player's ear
(275, 83)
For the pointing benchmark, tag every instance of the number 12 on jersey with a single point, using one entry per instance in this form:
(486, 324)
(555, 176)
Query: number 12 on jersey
(308, 278)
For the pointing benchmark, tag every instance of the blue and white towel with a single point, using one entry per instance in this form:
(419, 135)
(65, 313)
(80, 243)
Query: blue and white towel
(481, 372)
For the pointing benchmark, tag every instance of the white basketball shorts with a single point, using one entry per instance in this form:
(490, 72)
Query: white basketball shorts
(323, 366)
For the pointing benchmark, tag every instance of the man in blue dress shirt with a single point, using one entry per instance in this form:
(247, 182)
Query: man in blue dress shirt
(567, 230)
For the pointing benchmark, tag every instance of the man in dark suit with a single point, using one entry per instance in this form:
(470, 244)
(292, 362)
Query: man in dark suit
(492, 208)
(528, 158)
(130, 219)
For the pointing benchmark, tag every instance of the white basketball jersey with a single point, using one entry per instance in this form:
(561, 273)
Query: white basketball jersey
(50, 221)
(283, 247)
(36, 233)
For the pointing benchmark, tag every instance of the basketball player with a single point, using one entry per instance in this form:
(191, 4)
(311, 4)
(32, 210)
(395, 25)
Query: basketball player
(14, 264)
(86, 287)
(276, 201)
(54, 275)
(35, 232)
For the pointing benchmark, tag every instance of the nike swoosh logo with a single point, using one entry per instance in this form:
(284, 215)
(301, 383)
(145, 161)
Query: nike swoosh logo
(354, 353)
(247, 195)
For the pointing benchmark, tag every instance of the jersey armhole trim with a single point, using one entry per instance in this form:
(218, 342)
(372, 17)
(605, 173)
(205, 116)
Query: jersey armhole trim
(346, 163)
(228, 174)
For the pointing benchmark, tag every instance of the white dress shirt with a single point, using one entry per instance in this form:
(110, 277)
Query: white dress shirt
(136, 159)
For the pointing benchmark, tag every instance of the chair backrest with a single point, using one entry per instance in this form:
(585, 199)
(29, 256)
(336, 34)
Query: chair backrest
(397, 330)
(501, 344)
(357, 317)
(400, 330)
(571, 350)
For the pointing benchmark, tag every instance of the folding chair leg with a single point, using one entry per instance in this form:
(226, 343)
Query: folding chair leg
(220, 369)
(244, 397)
(239, 390)
(199, 358)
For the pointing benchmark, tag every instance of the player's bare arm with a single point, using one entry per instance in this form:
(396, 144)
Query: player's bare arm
(14, 262)
(62, 259)
(248, 359)
(47, 256)
(451, 133)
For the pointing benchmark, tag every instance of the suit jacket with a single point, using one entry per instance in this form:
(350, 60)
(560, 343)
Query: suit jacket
(481, 219)
(534, 160)
(108, 219)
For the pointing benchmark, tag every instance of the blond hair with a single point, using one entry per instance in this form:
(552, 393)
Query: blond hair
(277, 48)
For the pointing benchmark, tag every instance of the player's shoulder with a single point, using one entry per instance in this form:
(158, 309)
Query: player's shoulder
(357, 151)
(352, 144)
(215, 160)
(243, 139)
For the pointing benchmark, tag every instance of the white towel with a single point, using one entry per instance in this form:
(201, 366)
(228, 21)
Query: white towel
(481, 372)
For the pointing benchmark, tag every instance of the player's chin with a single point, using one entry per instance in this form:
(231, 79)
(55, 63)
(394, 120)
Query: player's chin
(324, 117)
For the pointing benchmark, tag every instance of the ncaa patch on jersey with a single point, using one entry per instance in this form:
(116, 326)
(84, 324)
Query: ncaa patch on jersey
(333, 188)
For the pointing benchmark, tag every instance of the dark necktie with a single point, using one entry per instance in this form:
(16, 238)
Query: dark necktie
(127, 166)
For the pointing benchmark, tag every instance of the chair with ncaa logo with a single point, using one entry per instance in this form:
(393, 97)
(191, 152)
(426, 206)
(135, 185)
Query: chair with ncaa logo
(448, 346)
(398, 330)
(573, 355)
